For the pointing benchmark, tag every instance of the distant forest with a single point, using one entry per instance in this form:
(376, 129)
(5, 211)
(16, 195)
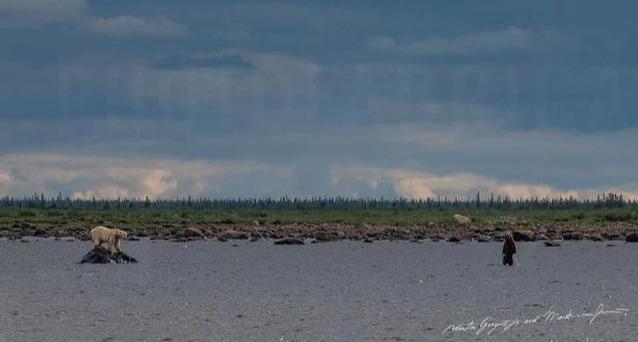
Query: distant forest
(39, 201)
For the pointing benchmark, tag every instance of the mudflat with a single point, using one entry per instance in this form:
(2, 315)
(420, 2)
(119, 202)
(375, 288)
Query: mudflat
(335, 291)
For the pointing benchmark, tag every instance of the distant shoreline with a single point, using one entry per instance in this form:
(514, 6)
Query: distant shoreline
(329, 224)
(324, 225)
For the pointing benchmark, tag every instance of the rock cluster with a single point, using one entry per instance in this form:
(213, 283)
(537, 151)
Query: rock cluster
(103, 256)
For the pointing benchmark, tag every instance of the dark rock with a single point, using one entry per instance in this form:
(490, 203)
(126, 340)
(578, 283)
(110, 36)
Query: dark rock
(367, 240)
(524, 235)
(134, 238)
(40, 232)
(355, 236)
(613, 236)
(575, 236)
(255, 238)
(453, 239)
(28, 232)
(416, 241)
(552, 243)
(595, 237)
(633, 237)
(289, 241)
(103, 256)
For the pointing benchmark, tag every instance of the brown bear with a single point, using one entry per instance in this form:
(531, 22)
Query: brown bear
(509, 249)
(111, 237)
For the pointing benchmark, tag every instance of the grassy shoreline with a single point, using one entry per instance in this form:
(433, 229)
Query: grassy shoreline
(342, 223)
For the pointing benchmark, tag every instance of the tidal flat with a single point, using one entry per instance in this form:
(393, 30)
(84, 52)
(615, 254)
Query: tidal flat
(334, 291)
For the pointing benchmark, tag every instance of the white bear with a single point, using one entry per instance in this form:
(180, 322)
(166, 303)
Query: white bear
(111, 237)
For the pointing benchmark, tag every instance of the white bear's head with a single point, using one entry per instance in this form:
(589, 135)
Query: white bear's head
(121, 234)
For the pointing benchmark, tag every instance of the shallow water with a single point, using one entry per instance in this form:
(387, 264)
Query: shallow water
(340, 291)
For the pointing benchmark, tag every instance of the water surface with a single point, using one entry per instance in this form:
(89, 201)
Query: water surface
(339, 291)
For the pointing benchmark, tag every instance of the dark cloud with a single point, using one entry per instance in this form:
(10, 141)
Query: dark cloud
(505, 91)
(223, 61)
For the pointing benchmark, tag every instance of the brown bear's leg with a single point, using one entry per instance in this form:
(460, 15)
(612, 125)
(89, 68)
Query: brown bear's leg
(508, 259)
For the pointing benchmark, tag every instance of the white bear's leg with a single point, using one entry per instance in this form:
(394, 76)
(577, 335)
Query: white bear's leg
(97, 243)
(118, 246)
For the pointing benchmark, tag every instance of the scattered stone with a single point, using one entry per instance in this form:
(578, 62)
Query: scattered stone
(327, 236)
(40, 232)
(524, 235)
(633, 237)
(255, 238)
(289, 241)
(541, 237)
(552, 243)
(613, 236)
(400, 234)
(507, 221)
(574, 236)
(134, 238)
(275, 235)
(194, 232)
(103, 256)
(234, 234)
(483, 238)
(462, 219)
(595, 237)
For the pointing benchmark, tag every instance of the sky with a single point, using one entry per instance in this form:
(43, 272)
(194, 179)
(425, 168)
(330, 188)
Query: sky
(370, 98)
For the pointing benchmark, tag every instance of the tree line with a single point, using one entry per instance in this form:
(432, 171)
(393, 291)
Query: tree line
(40, 201)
